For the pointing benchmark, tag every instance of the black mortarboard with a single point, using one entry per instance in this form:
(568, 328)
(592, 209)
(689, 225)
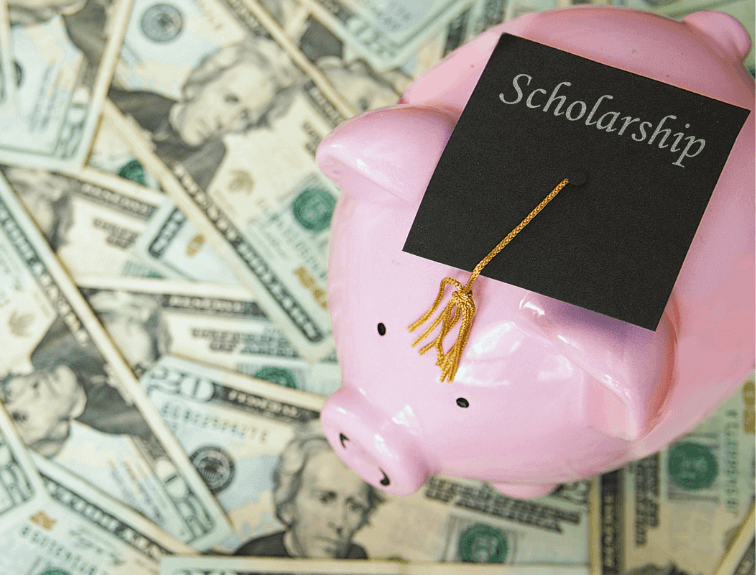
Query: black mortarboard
(651, 154)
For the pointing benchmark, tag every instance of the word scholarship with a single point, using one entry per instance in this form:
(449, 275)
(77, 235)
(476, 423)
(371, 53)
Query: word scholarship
(611, 121)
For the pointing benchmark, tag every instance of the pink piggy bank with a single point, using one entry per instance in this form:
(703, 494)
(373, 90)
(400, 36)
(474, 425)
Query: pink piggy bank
(546, 392)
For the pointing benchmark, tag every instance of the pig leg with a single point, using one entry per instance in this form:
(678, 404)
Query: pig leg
(523, 491)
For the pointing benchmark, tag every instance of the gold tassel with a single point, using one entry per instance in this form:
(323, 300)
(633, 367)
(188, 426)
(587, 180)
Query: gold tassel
(461, 305)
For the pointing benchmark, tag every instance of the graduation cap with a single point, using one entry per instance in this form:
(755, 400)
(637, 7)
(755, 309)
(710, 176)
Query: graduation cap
(646, 156)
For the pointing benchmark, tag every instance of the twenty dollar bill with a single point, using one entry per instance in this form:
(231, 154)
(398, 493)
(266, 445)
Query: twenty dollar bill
(74, 399)
(252, 441)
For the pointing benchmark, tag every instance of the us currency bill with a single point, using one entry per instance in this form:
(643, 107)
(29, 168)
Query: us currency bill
(265, 566)
(172, 245)
(91, 221)
(326, 57)
(144, 543)
(741, 555)
(486, 14)
(255, 442)
(680, 507)
(81, 531)
(74, 399)
(51, 520)
(64, 55)
(479, 17)
(517, 8)
(8, 90)
(243, 172)
(385, 34)
(22, 492)
(212, 324)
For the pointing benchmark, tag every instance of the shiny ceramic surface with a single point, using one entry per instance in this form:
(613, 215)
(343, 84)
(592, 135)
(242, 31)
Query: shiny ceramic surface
(554, 393)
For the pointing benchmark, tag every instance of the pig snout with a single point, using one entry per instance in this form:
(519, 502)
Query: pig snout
(379, 448)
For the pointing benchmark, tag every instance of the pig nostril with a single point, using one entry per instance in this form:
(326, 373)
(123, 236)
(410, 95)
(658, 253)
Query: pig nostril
(385, 481)
(462, 402)
(381, 329)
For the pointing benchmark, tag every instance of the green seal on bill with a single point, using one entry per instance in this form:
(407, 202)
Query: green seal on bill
(215, 466)
(133, 171)
(54, 572)
(279, 375)
(692, 465)
(482, 544)
(162, 23)
(313, 209)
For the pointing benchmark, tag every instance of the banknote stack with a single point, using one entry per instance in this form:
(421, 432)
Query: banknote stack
(166, 347)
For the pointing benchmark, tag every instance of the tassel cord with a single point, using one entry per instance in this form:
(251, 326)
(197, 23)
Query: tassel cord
(461, 306)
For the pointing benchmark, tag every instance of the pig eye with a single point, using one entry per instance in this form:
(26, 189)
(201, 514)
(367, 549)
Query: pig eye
(381, 329)
(462, 402)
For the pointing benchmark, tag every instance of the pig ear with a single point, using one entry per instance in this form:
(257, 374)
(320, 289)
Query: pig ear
(387, 154)
(632, 368)
(724, 31)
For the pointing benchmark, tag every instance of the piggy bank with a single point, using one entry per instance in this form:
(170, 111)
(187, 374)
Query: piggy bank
(546, 392)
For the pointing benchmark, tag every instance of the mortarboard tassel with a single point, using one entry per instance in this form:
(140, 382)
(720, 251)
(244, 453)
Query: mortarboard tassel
(461, 305)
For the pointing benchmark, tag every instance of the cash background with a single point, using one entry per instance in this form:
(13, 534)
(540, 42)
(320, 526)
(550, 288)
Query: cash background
(162, 279)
